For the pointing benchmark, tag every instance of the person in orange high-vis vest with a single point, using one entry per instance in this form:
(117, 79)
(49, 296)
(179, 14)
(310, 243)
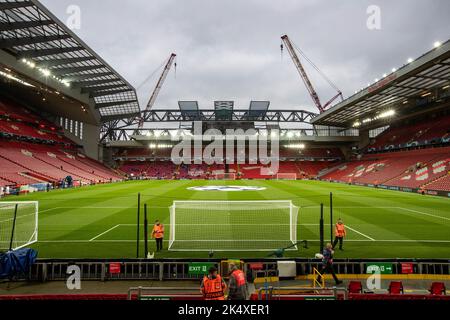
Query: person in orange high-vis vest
(213, 286)
(238, 284)
(158, 235)
(340, 233)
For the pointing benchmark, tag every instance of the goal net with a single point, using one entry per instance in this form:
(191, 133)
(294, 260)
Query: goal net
(225, 176)
(286, 176)
(18, 224)
(233, 225)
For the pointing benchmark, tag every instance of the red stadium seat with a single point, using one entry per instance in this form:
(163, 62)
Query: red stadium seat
(395, 287)
(355, 287)
(437, 288)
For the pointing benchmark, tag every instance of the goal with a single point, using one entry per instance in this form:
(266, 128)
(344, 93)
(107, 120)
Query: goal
(233, 225)
(18, 224)
(286, 176)
(225, 176)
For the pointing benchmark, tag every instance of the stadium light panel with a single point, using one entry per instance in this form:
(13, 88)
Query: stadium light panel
(437, 44)
(410, 60)
(394, 69)
(384, 75)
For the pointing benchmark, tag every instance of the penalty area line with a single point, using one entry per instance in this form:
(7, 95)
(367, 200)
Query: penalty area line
(360, 233)
(101, 234)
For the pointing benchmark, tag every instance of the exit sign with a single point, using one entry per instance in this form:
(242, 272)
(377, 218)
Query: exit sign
(198, 268)
(381, 268)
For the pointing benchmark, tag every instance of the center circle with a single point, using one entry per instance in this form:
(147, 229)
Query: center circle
(227, 188)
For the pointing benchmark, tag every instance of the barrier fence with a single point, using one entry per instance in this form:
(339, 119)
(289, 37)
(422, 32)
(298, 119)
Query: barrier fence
(102, 270)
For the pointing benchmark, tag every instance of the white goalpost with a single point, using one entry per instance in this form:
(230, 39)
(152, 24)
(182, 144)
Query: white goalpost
(233, 225)
(286, 176)
(18, 224)
(225, 176)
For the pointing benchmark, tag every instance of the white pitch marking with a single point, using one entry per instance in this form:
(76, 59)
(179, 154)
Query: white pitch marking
(110, 229)
(364, 235)
(424, 213)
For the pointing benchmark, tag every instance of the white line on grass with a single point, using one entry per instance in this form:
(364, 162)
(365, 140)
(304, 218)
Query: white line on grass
(110, 229)
(424, 213)
(364, 235)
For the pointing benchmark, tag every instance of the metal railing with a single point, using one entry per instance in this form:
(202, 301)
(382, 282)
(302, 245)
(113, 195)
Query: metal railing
(54, 270)
(276, 293)
(163, 292)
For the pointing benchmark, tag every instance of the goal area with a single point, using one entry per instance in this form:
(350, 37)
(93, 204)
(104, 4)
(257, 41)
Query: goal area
(233, 225)
(286, 176)
(18, 224)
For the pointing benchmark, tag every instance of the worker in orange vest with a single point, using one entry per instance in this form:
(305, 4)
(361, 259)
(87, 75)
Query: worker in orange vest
(158, 235)
(213, 286)
(238, 284)
(340, 233)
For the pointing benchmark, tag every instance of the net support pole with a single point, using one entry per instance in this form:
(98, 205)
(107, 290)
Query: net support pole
(331, 216)
(145, 231)
(137, 226)
(13, 228)
(321, 229)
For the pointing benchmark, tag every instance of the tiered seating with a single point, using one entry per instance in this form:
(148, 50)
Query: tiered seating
(403, 136)
(442, 184)
(312, 153)
(12, 110)
(27, 163)
(20, 153)
(424, 173)
(97, 168)
(10, 173)
(312, 168)
(411, 169)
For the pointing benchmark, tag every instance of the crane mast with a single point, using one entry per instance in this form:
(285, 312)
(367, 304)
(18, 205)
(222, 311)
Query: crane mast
(301, 70)
(158, 87)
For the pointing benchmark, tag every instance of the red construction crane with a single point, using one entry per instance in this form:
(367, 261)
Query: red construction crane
(305, 78)
(158, 87)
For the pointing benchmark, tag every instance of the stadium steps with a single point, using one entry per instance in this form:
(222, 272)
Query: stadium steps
(326, 171)
(29, 171)
(26, 175)
(299, 170)
(64, 170)
(79, 168)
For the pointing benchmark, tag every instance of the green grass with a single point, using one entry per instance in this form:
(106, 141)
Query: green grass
(381, 223)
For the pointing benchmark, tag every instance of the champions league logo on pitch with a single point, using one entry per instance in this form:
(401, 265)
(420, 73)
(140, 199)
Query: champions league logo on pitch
(226, 188)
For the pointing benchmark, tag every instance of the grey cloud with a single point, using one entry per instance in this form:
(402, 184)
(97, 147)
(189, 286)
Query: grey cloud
(231, 49)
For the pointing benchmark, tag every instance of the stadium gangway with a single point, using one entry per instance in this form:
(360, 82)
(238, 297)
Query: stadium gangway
(161, 293)
(276, 293)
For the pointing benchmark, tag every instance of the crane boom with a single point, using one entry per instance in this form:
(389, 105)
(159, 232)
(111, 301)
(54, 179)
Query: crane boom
(305, 78)
(158, 87)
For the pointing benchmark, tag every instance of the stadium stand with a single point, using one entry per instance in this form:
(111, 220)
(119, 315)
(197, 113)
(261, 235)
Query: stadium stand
(428, 132)
(34, 150)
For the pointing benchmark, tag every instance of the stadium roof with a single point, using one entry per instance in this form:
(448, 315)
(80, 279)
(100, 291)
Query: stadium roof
(414, 80)
(34, 35)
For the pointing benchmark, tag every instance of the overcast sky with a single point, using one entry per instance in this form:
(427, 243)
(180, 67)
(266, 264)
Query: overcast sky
(230, 50)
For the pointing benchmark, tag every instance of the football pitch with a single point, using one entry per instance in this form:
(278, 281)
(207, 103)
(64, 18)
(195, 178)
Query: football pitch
(100, 221)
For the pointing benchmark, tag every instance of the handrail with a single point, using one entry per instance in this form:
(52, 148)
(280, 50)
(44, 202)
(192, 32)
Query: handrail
(335, 291)
(316, 273)
(139, 290)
